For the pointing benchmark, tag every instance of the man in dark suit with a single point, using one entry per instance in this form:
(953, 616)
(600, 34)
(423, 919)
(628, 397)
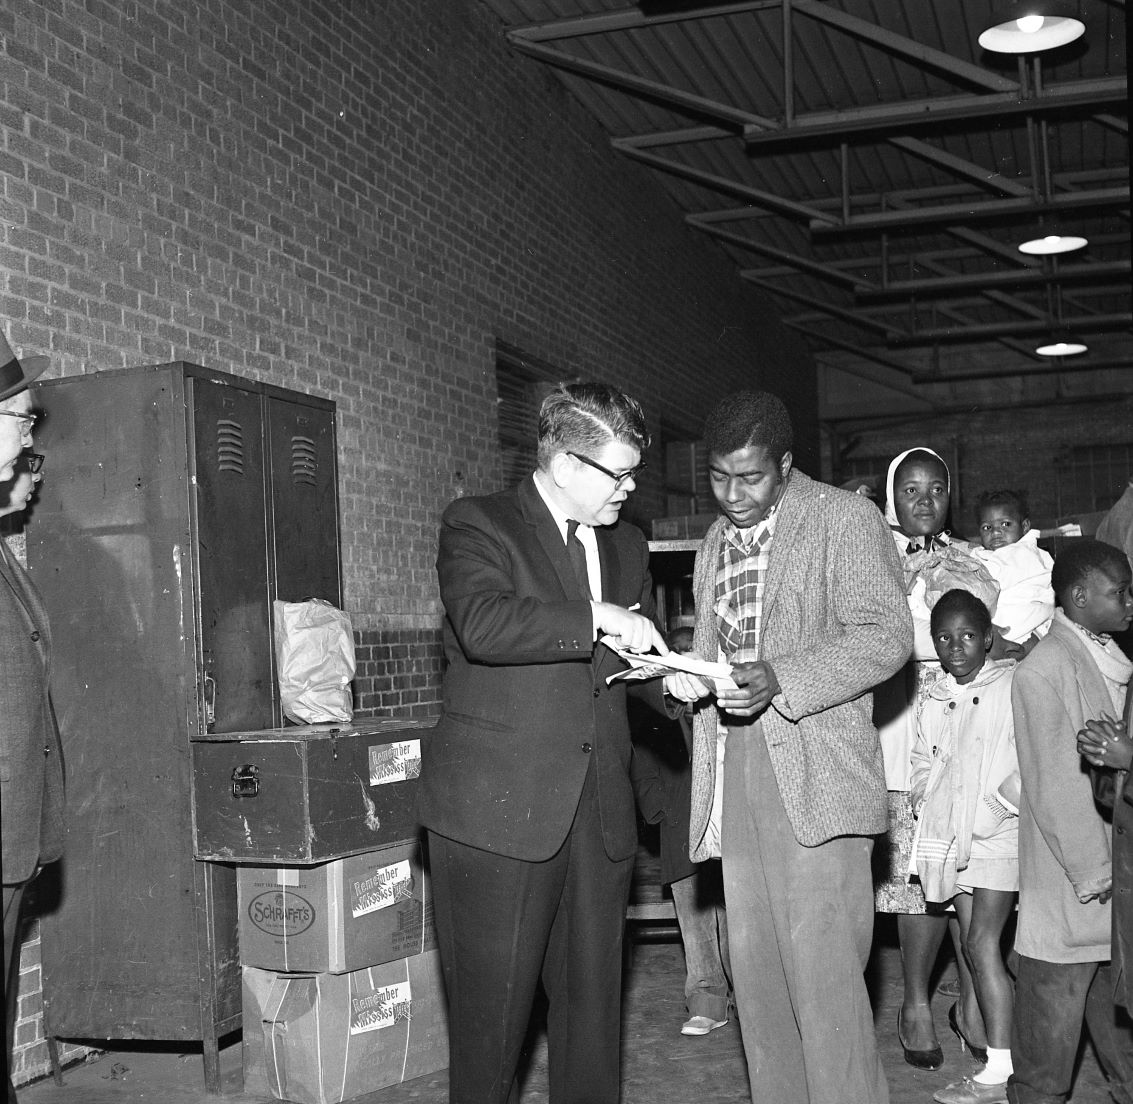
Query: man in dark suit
(524, 785)
(31, 771)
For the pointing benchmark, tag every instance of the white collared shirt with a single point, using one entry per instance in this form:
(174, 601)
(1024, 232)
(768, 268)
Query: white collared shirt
(589, 542)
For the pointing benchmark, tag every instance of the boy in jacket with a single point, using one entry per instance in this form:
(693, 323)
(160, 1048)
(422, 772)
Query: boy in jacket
(1064, 979)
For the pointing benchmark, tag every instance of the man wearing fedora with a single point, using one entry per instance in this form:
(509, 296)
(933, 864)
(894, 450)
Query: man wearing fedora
(31, 768)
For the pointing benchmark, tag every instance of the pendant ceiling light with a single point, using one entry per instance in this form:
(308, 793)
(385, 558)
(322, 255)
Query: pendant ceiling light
(1028, 26)
(1047, 244)
(1061, 345)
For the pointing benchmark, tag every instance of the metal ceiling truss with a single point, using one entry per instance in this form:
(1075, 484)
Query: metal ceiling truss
(869, 222)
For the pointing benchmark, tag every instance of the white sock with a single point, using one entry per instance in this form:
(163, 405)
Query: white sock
(998, 1067)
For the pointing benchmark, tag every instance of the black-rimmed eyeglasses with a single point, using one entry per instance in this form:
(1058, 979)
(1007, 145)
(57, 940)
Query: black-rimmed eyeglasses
(27, 419)
(618, 477)
(33, 461)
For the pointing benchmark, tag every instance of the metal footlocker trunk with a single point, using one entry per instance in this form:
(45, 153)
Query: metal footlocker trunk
(306, 793)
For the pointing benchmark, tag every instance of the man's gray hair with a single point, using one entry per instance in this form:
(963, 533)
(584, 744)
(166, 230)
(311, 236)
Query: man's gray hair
(585, 417)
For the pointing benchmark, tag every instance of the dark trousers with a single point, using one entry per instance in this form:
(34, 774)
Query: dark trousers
(502, 925)
(1052, 1002)
(13, 896)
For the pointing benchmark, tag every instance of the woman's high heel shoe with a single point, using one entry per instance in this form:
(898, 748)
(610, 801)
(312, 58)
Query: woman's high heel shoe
(931, 1059)
(978, 1053)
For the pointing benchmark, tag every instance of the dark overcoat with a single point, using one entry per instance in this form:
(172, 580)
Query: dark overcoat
(31, 766)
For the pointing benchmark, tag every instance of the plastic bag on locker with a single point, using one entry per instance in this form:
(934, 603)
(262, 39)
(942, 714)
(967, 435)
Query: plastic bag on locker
(314, 651)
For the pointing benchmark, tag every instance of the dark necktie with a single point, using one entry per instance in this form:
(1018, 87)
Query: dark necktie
(578, 558)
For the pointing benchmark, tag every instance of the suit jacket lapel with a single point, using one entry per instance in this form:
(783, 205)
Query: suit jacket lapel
(611, 580)
(1088, 677)
(547, 531)
(786, 527)
(611, 568)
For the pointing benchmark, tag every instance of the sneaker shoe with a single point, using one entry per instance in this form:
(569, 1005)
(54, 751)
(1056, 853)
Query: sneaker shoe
(968, 1091)
(949, 987)
(700, 1025)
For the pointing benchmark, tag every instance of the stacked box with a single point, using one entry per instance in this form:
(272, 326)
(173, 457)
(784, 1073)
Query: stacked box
(339, 916)
(326, 1038)
(682, 528)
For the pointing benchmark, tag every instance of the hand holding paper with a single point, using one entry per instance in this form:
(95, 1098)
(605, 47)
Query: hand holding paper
(628, 630)
(754, 686)
(687, 688)
(717, 675)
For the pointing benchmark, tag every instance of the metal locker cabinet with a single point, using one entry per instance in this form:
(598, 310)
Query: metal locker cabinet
(304, 496)
(228, 475)
(150, 542)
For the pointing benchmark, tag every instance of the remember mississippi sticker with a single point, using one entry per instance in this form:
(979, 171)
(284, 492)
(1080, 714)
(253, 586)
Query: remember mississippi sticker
(381, 888)
(396, 762)
(380, 1007)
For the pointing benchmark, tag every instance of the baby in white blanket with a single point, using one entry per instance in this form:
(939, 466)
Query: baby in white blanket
(1009, 549)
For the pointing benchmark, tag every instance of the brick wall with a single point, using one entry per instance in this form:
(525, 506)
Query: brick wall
(355, 199)
(398, 670)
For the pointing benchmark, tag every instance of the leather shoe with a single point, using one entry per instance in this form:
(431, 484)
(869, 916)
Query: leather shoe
(701, 1025)
(968, 1091)
(977, 1052)
(931, 1059)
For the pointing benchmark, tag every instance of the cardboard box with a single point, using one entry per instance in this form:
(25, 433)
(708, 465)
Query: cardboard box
(682, 528)
(339, 916)
(325, 1038)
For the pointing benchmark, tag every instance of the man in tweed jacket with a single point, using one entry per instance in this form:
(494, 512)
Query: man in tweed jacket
(798, 586)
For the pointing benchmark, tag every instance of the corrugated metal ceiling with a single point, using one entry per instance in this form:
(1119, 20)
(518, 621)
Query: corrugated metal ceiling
(868, 165)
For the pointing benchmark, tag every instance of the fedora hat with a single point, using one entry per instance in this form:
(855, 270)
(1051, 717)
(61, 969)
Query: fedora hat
(15, 374)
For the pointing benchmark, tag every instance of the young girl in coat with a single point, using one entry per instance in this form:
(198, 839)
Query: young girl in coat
(965, 785)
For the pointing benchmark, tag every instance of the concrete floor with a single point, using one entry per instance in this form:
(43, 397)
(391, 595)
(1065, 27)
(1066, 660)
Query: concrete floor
(659, 1064)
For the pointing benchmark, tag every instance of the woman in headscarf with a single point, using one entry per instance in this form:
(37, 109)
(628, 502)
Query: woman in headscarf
(917, 498)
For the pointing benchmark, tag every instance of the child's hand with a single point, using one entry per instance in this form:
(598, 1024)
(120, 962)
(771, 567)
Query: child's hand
(1104, 742)
(1098, 889)
(1101, 898)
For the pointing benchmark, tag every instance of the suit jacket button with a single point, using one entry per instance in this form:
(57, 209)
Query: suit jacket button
(562, 645)
(35, 635)
(587, 748)
(596, 691)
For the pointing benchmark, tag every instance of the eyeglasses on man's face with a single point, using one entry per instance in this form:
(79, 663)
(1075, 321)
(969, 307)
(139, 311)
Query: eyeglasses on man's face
(27, 419)
(32, 461)
(619, 478)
